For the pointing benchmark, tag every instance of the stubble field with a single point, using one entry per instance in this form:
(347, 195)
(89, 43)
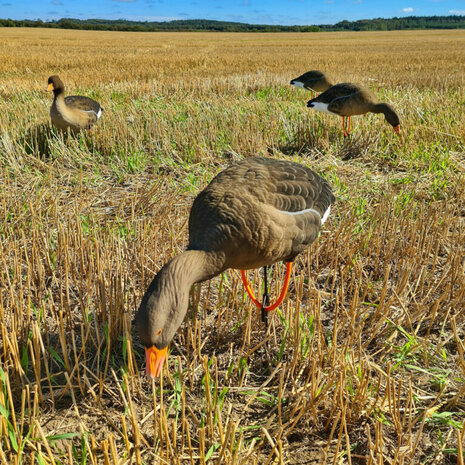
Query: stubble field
(363, 363)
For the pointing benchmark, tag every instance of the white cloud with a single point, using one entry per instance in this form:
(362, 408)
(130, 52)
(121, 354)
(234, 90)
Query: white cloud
(407, 10)
(457, 12)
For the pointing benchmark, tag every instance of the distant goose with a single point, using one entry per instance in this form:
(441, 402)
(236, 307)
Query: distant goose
(254, 213)
(75, 112)
(347, 100)
(315, 81)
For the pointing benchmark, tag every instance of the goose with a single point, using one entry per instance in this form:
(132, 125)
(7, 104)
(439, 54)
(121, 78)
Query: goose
(75, 112)
(347, 100)
(314, 80)
(254, 213)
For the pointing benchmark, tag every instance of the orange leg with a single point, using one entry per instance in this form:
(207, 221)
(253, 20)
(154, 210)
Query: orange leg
(249, 290)
(346, 131)
(344, 127)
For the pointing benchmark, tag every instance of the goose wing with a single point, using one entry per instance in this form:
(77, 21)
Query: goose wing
(308, 77)
(312, 80)
(82, 103)
(356, 103)
(342, 105)
(260, 211)
(336, 91)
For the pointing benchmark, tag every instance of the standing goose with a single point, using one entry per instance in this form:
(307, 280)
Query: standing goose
(75, 112)
(314, 80)
(253, 214)
(347, 100)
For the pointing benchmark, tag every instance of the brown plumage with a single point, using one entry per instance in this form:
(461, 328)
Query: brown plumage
(75, 112)
(347, 100)
(254, 213)
(314, 80)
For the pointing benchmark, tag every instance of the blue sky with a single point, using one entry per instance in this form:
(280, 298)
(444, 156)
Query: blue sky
(250, 11)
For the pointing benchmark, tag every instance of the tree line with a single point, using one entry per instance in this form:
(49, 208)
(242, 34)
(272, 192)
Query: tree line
(377, 24)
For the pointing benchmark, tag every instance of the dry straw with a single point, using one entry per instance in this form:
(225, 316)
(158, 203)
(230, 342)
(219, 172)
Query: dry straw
(362, 364)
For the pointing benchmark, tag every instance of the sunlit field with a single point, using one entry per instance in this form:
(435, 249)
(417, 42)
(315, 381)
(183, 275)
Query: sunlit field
(364, 361)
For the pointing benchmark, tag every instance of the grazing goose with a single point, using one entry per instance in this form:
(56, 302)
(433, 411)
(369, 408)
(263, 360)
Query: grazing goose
(75, 112)
(347, 100)
(254, 213)
(315, 81)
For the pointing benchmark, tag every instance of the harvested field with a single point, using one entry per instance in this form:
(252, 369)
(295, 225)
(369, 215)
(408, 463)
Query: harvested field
(363, 363)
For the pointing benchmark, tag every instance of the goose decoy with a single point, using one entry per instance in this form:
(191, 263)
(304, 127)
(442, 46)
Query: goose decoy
(314, 80)
(75, 112)
(254, 213)
(347, 100)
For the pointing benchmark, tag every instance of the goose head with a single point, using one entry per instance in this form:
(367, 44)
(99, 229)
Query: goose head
(392, 118)
(159, 316)
(55, 85)
(162, 311)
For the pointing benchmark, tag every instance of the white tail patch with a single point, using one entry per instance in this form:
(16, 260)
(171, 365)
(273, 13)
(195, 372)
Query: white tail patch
(318, 106)
(298, 84)
(98, 114)
(310, 210)
(325, 216)
(301, 212)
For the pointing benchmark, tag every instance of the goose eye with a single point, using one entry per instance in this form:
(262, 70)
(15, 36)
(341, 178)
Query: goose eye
(158, 333)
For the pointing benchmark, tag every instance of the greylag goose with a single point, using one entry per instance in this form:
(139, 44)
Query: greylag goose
(75, 112)
(314, 80)
(254, 213)
(347, 100)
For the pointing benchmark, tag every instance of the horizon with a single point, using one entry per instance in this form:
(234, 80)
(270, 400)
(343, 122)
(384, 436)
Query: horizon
(220, 21)
(257, 12)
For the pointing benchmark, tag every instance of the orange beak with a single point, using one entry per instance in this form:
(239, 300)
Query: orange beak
(154, 359)
(397, 129)
(50, 88)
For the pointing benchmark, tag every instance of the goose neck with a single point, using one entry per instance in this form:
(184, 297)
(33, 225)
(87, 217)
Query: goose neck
(389, 113)
(165, 302)
(59, 94)
(193, 266)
